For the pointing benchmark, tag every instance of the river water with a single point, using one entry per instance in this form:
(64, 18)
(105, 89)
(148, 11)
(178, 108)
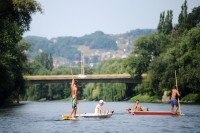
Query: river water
(45, 117)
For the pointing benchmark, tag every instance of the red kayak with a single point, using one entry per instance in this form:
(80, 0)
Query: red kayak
(153, 113)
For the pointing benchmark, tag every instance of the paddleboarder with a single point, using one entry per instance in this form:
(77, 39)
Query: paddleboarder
(74, 96)
(173, 99)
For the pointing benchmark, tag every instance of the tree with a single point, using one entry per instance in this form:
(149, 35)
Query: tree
(188, 61)
(107, 91)
(161, 22)
(45, 60)
(50, 62)
(183, 57)
(15, 17)
(165, 23)
(182, 18)
(164, 55)
(145, 49)
(167, 28)
(193, 18)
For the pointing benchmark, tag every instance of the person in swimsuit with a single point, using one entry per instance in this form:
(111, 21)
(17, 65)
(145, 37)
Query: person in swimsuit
(137, 107)
(173, 99)
(74, 96)
(99, 110)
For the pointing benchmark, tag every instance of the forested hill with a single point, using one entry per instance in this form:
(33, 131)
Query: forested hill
(65, 46)
(134, 34)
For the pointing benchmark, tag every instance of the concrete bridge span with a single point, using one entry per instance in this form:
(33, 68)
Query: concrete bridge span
(96, 78)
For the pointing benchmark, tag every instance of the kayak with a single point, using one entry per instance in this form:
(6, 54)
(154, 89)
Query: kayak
(86, 115)
(153, 113)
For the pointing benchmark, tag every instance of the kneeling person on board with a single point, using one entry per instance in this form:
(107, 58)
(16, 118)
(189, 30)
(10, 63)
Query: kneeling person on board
(137, 107)
(74, 96)
(173, 99)
(99, 110)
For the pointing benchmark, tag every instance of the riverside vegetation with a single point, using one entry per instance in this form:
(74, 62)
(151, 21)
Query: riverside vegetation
(15, 18)
(159, 54)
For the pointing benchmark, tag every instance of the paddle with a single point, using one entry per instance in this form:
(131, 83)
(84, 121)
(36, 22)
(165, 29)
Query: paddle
(177, 89)
(76, 99)
(78, 110)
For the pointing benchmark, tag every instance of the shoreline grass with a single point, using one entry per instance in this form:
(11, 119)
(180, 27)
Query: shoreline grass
(188, 99)
(145, 98)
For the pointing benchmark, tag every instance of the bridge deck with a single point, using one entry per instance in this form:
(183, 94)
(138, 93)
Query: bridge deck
(100, 78)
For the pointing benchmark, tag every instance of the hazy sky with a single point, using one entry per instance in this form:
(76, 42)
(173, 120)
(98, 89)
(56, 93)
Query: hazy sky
(80, 17)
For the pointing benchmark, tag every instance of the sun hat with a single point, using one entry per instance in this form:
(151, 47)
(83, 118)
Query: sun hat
(101, 101)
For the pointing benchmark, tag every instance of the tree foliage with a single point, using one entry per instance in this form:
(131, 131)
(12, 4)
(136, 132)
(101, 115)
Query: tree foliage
(182, 18)
(107, 91)
(15, 17)
(45, 60)
(183, 58)
(165, 23)
(145, 49)
(161, 54)
(51, 91)
(65, 46)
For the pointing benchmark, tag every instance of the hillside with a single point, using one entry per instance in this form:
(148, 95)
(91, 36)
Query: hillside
(96, 47)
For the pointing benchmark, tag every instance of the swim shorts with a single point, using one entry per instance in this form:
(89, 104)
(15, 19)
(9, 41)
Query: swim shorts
(73, 102)
(174, 101)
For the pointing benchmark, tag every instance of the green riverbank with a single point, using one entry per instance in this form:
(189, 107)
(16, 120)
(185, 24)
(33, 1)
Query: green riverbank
(190, 98)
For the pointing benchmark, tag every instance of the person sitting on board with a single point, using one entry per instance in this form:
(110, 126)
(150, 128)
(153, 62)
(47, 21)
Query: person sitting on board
(173, 99)
(74, 96)
(137, 107)
(99, 110)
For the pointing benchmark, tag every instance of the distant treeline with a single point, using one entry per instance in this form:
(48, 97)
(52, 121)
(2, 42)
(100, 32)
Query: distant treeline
(63, 46)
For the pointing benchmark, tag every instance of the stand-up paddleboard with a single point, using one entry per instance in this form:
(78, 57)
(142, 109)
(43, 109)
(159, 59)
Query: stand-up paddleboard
(152, 112)
(86, 115)
(67, 117)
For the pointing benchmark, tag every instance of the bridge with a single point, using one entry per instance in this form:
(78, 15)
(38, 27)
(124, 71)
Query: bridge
(96, 78)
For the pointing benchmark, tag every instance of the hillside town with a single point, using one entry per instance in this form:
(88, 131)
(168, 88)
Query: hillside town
(100, 55)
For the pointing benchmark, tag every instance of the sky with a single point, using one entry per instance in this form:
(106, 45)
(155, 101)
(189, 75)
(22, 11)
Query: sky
(81, 17)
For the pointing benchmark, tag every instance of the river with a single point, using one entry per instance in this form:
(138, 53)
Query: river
(45, 117)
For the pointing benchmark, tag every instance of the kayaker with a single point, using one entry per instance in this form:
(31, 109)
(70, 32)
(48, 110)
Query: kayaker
(173, 99)
(99, 110)
(137, 107)
(74, 96)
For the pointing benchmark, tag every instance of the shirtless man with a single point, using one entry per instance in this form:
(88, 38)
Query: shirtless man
(137, 107)
(173, 99)
(74, 96)
(99, 110)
